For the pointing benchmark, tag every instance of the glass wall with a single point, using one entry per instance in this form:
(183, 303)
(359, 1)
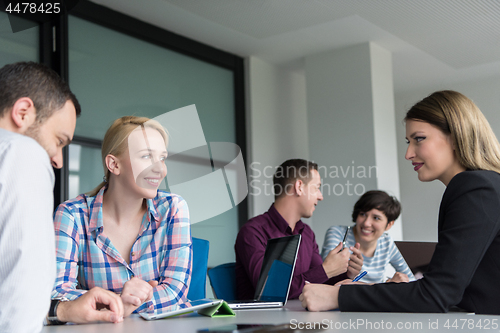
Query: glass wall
(85, 164)
(19, 46)
(114, 75)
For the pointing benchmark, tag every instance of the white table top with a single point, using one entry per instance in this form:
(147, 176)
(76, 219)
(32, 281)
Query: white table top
(294, 314)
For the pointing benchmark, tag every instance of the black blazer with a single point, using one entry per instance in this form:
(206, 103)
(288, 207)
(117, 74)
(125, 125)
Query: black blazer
(465, 268)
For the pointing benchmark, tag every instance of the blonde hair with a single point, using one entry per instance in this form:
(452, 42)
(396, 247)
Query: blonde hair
(476, 146)
(115, 140)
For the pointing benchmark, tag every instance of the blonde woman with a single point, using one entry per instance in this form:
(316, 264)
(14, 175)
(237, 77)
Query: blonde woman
(449, 140)
(126, 235)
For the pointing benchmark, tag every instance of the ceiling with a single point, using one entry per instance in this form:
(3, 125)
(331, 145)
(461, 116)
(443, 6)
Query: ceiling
(433, 42)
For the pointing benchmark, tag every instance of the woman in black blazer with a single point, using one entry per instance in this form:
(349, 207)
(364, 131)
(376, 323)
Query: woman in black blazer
(449, 139)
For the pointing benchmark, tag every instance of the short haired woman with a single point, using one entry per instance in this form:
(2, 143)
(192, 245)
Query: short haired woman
(374, 214)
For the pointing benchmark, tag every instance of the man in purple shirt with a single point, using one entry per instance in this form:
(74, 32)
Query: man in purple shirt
(297, 188)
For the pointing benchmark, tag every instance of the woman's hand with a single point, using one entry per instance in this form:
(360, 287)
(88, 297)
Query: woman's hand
(319, 297)
(399, 277)
(355, 262)
(350, 282)
(135, 292)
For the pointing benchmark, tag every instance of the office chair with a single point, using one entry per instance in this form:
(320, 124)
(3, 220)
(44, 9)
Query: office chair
(197, 287)
(417, 254)
(223, 281)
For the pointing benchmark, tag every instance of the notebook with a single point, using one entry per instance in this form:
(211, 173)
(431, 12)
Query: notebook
(275, 276)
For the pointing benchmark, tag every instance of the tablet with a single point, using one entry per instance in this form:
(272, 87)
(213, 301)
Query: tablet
(183, 308)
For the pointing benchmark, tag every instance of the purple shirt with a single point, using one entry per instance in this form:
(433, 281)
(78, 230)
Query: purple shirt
(251, 245)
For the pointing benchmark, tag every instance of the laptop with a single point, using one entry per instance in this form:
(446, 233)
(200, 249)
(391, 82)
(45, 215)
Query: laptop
(275, 276)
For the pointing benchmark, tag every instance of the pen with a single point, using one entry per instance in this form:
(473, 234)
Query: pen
(359, 276)
(345, 237)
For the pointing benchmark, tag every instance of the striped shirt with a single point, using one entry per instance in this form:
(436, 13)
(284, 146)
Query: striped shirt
(86, 258)
(385, 253)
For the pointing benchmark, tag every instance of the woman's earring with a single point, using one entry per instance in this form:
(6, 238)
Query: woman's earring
(104, 179)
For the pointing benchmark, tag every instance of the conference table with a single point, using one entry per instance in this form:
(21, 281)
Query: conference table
(298, 318)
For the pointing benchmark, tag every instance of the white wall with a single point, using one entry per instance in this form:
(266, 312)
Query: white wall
(385, 128)
(278, 130)
(421, 200)
(350, 100)
(340, 104)
(276, 126)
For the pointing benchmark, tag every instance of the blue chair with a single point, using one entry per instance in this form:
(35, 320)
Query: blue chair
(197, 288)
(223, 281)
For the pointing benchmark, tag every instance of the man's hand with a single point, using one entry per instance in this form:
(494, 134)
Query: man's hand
(319, 297)
(85, 308)
(355, 262)
(135, 292)
(399, 277)
(336, 262)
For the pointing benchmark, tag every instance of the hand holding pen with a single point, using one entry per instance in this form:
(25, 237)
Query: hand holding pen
(355, 258)
(344, 245)
(353, 281)
(336, 262)
(355, 261)
(359, 276)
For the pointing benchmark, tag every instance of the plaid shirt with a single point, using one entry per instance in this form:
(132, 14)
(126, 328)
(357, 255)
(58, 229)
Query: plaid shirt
(86, 258)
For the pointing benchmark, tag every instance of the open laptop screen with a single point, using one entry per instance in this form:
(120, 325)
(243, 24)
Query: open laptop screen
(277, 269)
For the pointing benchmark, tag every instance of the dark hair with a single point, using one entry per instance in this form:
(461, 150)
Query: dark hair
(380, 200)
(289, 172)
(42, 85)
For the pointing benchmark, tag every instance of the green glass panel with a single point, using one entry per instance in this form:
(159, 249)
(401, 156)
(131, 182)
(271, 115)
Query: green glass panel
(19, 46)
(85, 169)
(113, 75)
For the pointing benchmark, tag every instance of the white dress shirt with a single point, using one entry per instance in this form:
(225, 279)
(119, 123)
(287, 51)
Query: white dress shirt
(27, 245)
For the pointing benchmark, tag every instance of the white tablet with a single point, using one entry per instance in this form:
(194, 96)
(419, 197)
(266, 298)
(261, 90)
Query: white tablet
(183, 308)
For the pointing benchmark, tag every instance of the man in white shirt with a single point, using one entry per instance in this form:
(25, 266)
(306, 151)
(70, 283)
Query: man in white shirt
(36, 102)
